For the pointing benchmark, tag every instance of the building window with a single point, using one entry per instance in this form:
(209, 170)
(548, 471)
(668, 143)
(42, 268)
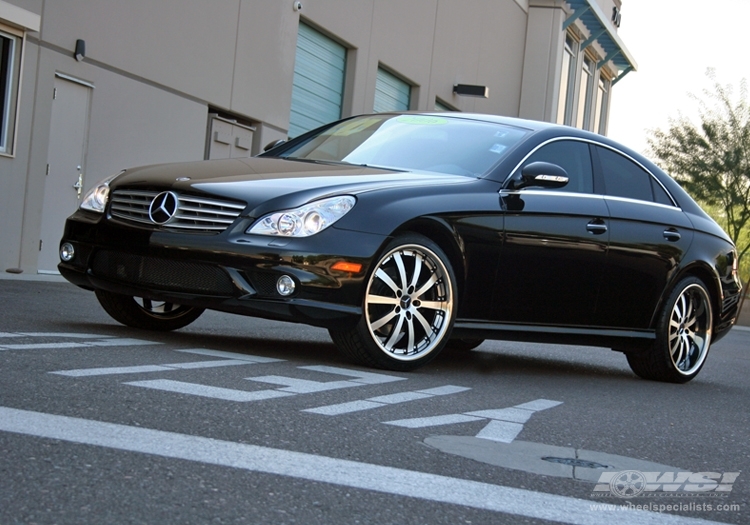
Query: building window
(10, 73)
(583, 113)
(442, 106)
(318, 85)
(567, 81)
(602, 105)
(391, 93)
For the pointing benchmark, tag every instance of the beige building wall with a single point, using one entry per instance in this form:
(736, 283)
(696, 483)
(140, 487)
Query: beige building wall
(157, 68)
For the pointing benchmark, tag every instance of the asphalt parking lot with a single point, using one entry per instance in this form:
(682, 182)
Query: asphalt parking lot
(235, 420)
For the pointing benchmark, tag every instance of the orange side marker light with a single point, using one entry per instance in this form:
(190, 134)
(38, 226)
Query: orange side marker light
(344, 266)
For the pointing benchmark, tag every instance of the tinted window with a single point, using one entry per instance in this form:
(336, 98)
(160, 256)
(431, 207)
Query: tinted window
(623, 177)
(434, 143)
(574, 157)
(660, 195)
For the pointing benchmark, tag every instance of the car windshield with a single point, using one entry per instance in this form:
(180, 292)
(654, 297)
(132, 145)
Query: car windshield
(432, 143)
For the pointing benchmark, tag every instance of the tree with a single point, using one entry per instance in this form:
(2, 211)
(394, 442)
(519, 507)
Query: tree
(711, 159)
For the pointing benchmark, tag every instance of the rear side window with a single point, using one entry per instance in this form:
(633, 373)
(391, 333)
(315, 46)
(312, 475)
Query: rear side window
(660, 195)
(574, 157)
(623, 177)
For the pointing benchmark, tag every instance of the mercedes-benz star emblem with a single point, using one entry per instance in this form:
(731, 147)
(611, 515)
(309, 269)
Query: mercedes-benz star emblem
(163, 207)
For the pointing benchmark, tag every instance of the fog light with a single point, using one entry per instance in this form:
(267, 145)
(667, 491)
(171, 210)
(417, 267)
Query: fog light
(67, 252)
(285, 285)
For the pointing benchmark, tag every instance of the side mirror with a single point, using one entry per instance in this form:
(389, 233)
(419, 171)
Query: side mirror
(543, 174)
(273, 144)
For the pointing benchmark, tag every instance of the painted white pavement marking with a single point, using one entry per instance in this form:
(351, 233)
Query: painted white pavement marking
(230, 355)
(433, 421)
(226, 394)
(504, 426)
(368, 378)
(90, 341)
(389, 399)
(54, 334)
(303, 386)
(88, 372)
(306, 386)
(229, 359)
(365, 476)
(501, 431)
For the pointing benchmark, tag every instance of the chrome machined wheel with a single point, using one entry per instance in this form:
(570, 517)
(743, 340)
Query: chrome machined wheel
(683, 336)
(409, 302)
(159, 308)
(690, 329)
(147, 314)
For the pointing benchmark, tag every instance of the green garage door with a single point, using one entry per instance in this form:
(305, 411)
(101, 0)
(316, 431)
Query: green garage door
(391, 93)
(318, 84)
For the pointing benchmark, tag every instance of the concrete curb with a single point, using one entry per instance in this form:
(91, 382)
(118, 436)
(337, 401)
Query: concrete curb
(44, 277)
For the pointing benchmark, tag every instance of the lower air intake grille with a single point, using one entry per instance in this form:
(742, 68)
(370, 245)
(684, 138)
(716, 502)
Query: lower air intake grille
(162, 274)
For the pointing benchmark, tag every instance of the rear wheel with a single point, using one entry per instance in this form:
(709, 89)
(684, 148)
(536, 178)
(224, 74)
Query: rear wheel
(146, 314)
(408, 308)
(683, 336)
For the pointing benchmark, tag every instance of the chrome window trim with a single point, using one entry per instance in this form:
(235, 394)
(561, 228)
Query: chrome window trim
(577, 195)
(607, 146)
(646, 203)
(553, 193)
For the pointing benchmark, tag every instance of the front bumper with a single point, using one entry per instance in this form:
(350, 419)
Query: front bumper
(230, 272)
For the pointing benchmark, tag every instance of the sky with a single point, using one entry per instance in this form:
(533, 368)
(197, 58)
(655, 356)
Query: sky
(674, 42)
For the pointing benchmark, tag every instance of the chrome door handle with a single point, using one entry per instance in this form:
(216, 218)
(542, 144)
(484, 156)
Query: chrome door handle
(596, 227)
(672, 235)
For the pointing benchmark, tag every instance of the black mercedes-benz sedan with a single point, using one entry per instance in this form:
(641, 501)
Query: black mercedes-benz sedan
(404, 233)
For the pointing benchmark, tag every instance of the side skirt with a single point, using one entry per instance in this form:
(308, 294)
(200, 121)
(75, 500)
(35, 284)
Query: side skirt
(617, 339)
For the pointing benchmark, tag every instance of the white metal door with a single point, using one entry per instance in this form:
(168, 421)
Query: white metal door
(64, 182)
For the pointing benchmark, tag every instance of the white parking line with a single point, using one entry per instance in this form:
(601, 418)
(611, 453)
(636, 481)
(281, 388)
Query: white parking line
(303, 386)
(70, 344)
(501, 431)
(366, 476)
(54, 334)
(88, 372)
(230, 355)
(368, 378)
(225, 394)
(433, 421)
(505, 424)
(388, 399)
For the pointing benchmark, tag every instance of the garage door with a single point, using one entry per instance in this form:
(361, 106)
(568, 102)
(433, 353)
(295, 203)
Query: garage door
(391, 93)
(318, 85)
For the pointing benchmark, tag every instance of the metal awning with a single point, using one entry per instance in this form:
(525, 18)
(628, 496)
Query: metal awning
(603, 32)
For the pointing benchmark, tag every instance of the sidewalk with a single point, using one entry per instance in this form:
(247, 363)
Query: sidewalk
(50, 278)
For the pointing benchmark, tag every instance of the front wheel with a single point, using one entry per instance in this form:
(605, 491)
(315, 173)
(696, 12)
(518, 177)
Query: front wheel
(683, 336)
(146, 314)
(408, 307)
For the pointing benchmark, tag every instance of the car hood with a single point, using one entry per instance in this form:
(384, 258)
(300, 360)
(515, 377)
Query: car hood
(269, 183)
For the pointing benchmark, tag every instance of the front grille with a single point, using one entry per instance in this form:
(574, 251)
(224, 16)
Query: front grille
(194, 214)
(162, 274)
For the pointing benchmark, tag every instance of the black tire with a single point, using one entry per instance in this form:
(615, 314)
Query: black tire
(683, 336)
(408, 307)
(463, 344)
(146, 314)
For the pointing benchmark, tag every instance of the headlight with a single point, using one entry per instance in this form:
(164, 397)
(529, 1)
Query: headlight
(303, 221)
(96, 198)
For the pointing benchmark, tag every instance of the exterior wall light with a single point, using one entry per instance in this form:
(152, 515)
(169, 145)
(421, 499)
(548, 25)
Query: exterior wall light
(467, 90)
(80, 52)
